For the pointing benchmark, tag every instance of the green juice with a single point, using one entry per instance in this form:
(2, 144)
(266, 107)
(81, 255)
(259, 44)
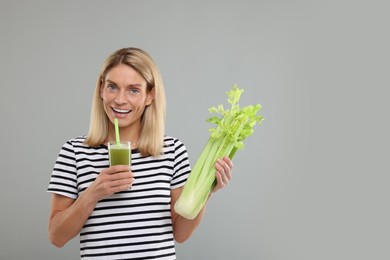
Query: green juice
(120, 155)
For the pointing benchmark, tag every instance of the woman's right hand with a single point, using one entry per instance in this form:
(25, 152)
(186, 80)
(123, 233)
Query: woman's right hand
(111, 180)
(67, 216)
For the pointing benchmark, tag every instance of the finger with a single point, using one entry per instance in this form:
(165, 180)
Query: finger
(122, 175)
(122, 182)
(228, 166)
(115, 173)
(220, 183)
(228, 161)
(120, 188)
(221, 175)
(224, 169)
(117, 168)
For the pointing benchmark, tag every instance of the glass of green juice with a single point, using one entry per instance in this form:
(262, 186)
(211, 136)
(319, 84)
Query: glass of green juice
(119, 153)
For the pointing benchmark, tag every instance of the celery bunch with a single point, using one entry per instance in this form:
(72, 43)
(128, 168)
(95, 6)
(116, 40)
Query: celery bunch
(232, 127)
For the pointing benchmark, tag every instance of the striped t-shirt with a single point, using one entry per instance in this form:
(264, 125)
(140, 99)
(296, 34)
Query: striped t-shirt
(132, 224)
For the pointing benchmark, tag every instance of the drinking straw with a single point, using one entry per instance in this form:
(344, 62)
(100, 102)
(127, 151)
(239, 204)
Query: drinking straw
(118, 141)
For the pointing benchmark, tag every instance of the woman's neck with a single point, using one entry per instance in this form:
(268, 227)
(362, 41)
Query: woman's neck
(130, 133)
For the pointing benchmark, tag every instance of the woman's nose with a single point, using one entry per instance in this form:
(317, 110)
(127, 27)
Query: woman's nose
(121, 98)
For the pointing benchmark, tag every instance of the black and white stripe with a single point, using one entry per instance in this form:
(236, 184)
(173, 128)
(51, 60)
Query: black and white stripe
(133, 224)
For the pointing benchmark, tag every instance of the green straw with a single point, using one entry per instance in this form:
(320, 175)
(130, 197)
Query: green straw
(118, 141)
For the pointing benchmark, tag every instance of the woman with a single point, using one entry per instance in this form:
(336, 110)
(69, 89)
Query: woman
(120, 212)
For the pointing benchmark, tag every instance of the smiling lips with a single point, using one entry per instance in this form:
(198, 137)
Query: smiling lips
(121, 112)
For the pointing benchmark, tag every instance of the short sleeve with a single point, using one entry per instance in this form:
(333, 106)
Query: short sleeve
(63, 180)
(181, 166)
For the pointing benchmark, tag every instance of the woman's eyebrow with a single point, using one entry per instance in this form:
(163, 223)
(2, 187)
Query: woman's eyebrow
(131, 85)
(110, 81)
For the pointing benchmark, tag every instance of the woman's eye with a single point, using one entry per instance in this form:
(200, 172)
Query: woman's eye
(134, 91)
(111, 87)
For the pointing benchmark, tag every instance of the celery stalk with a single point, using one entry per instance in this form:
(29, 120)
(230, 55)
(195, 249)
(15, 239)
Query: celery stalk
(232, 127)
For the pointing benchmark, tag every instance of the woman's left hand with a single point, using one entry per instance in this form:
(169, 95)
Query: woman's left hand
(223, 175)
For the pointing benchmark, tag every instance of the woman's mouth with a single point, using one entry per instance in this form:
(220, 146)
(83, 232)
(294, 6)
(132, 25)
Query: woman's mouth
(121, 112)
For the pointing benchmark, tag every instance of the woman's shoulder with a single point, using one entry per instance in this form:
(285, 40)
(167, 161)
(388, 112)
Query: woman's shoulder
(79, 142)
(170, 141)
(77, 145)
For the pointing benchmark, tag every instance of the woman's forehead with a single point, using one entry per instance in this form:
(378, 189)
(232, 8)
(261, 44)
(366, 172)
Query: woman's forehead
(124, 74)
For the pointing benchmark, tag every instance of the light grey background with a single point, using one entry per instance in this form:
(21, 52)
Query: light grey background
(313, 181)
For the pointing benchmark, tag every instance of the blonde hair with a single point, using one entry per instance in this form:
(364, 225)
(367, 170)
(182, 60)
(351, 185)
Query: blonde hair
(153, 119)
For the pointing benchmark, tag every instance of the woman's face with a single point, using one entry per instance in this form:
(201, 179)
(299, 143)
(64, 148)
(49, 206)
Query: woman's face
(124, 96)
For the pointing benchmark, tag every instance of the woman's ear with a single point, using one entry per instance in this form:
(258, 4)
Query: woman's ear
(101, 88)
(150, 97)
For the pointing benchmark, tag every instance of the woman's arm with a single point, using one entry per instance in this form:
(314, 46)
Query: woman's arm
(182, 227)
(68, 216)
